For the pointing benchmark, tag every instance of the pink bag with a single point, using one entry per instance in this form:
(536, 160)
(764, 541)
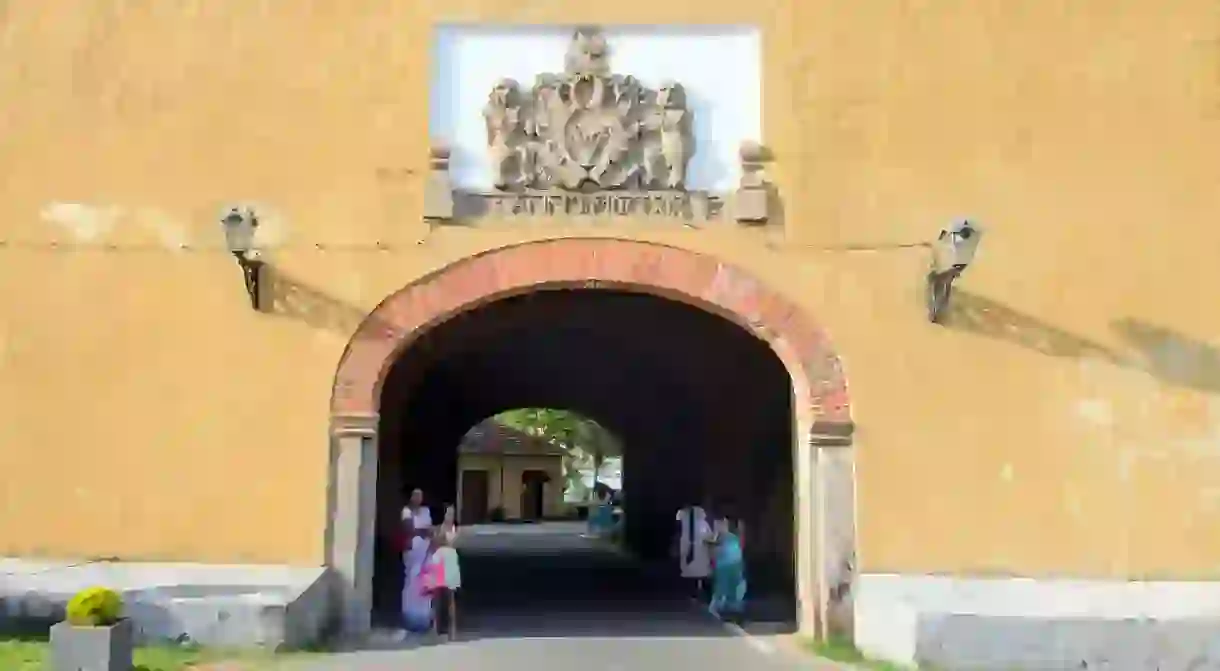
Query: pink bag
(432, 575)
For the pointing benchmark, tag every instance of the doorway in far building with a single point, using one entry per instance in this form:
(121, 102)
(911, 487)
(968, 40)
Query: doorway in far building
(476, 495)
(533, 493)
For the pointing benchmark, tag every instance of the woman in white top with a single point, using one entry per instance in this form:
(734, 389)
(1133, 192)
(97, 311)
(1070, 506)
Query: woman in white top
(694, 552)
(417, 527)
(444, 560)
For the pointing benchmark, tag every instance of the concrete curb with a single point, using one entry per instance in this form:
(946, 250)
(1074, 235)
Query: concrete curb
(780, 644)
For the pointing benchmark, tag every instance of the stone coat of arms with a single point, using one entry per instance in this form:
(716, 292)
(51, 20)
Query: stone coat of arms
(588, 129)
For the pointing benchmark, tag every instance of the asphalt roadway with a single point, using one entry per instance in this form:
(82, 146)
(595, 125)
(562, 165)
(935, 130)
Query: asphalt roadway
(537, 597)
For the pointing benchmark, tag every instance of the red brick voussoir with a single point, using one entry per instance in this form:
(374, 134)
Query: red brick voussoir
(693, 278)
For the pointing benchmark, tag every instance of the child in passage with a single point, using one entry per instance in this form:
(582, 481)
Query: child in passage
(444, 576)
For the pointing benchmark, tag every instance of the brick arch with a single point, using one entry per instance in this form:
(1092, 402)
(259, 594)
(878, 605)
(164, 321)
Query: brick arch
(824, 472)
(700, 280)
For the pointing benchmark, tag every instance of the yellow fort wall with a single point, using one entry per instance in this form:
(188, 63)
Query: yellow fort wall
(1066, 423)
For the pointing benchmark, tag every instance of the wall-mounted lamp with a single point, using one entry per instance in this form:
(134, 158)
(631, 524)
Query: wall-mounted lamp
(240, 225)
(952, 251)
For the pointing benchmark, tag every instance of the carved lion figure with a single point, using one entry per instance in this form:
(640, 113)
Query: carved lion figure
(669, 127)
(506, 139)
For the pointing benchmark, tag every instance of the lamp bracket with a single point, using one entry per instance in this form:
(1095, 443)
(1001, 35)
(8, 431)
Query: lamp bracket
(938, 290)
(252, 274)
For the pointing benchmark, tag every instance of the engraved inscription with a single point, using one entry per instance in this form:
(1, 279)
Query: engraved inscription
(670, 204)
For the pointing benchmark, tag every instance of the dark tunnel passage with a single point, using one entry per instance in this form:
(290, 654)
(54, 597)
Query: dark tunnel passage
(702, 406)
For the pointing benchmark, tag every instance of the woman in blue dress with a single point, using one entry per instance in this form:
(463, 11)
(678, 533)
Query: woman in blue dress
(728, 572)
(601, 518)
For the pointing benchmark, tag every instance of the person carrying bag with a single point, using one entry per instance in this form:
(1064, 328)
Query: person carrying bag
(442, 577)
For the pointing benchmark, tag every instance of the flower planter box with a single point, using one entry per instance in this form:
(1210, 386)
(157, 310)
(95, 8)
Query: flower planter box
(92, 648)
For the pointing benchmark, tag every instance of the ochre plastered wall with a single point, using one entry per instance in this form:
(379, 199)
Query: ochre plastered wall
(513, 466)
(1067, 424)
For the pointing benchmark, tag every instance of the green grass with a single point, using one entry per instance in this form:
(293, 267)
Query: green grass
(30, 653)
(839, 650)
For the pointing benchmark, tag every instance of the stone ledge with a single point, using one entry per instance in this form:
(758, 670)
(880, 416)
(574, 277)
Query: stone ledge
(217, 605)
(984, 643)
(1045, 624)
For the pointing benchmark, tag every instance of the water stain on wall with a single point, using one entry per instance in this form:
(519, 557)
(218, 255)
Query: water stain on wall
(91, 223)
(85, 223)
(1129, 414)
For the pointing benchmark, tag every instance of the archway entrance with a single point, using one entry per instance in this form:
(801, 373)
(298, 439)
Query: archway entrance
(719, 387)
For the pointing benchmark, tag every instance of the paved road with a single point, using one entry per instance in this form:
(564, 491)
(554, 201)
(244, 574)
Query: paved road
(540, 597)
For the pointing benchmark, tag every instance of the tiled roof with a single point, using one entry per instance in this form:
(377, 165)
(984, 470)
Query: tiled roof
(492, 436)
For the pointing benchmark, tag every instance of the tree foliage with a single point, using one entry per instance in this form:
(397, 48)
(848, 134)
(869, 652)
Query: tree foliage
(579, 437)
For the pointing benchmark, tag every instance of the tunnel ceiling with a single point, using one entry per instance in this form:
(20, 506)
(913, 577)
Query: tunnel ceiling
(620, 358)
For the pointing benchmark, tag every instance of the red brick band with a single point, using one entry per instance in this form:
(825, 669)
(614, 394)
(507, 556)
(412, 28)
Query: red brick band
(670, 272)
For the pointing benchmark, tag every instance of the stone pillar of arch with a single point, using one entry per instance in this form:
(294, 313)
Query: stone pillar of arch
(352, 509)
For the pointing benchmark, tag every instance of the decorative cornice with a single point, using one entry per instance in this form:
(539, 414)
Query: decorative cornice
(354, 425)
(832, 434)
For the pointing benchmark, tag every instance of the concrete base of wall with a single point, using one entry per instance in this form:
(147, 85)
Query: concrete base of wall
(214, 605)
(1020, 623)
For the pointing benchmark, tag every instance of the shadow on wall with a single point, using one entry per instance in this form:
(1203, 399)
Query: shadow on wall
(289, 297)
(1170, 357)
(983, 316)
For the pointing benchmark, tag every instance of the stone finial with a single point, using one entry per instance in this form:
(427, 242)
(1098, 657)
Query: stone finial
(438, 188)
(752, 200)
(588, 53)
(438, 157)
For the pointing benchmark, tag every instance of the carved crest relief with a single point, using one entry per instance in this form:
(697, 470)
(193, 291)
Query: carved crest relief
(588, 129)
(587, 142)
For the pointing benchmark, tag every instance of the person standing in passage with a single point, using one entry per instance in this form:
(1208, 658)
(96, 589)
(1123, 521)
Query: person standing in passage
(601, 517)
(445, 560)
(694, 550)
(729, 574)
(417, 530)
